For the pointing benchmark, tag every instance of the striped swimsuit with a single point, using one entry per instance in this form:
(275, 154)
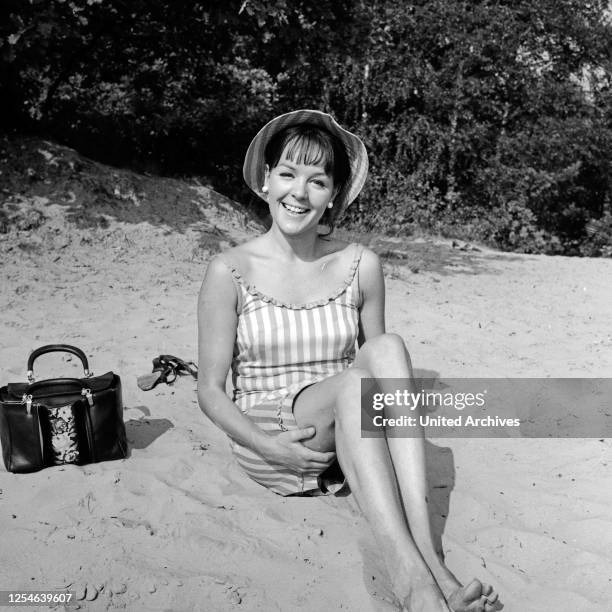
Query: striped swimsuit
(281, 349)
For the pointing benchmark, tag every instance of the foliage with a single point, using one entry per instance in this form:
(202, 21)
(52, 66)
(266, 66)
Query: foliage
(487, 120)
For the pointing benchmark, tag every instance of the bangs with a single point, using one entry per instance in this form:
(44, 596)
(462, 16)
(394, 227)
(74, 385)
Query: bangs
(310, 150)
(310, 145)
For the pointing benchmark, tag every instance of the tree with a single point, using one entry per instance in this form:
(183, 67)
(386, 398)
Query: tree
(490, 120)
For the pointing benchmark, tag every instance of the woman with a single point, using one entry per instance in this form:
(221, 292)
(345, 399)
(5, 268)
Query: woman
(285, 311)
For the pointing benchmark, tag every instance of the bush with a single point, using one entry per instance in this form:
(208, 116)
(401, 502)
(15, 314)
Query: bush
(485, 120)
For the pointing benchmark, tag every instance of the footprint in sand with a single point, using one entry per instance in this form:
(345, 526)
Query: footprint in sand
(80, 590)
(233, 595)
(92, 592)
(150, 586)
(85, 591)
(117, 588)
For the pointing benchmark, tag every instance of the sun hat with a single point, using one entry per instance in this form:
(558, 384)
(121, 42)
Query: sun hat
(254, 164)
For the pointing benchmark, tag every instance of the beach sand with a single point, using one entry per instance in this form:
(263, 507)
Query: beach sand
(176, 526)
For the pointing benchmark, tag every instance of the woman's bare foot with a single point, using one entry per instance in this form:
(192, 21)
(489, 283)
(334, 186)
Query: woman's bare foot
(474, 597)
(417, 591)
(424, 597)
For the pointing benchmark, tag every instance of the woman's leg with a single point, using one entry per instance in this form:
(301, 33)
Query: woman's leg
(367, 464)
(386, 357)
(373, 466)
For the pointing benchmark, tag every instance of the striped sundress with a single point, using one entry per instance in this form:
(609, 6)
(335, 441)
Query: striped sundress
(281, 349)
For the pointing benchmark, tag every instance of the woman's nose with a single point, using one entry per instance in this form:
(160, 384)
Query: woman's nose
(299, 189)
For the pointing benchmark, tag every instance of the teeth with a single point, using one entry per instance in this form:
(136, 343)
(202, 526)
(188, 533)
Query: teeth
(294, 209)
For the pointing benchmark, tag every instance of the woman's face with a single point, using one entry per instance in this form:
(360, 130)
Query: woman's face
(298, 195)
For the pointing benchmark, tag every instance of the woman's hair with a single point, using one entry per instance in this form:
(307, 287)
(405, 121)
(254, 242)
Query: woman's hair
(313, 146)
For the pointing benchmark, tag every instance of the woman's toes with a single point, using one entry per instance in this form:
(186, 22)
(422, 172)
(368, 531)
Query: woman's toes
(467, 598)
(475, 597)
(494, 606)
(472, 591)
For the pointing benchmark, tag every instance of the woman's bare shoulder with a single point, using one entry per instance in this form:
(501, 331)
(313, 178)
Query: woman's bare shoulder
(370, 264)
(371, 277)
(240, 257)
(335, 246)
(369, 257)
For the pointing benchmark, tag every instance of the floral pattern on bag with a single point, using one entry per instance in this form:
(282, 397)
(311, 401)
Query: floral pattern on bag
(63, 435)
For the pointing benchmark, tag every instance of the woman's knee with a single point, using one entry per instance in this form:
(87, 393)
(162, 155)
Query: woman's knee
(385, 356)
(383, 346)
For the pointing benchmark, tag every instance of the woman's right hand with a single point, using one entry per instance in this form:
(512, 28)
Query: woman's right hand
(286, 449)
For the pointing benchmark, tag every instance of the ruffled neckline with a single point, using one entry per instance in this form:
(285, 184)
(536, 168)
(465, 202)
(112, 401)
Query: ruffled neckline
(252, 289)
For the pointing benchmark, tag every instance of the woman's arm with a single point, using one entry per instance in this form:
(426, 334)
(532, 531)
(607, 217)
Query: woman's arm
(217, 324)
(372, 289)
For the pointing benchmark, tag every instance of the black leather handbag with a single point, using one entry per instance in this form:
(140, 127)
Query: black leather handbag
(61, 420)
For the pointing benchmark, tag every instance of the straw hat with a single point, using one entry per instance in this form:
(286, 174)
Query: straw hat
(254, 164)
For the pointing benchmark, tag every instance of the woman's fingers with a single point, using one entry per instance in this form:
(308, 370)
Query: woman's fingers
(317, 459)
(295, 435)
(306, 459)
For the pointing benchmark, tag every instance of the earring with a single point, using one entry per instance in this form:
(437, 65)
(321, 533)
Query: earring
(264, 189)
(330, 205)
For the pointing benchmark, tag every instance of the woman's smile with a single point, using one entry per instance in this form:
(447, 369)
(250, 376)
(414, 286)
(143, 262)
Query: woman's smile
(298, 194)
(294, 210)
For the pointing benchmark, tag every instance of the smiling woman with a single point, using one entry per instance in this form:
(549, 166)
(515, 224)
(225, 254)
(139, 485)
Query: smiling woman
(301, 191)
(310, 161)
(286, 312)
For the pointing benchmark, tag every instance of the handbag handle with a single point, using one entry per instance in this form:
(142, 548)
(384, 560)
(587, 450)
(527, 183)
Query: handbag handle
(52, 348)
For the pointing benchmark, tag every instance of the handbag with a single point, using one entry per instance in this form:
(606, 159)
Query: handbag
(61, 420)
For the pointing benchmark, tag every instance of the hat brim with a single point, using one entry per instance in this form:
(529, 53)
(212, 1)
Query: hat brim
(254, 165)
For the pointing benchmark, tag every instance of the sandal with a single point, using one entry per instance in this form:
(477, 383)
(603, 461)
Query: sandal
(180, 367)
(166, 369)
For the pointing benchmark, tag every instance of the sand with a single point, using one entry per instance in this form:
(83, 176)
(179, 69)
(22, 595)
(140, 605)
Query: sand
(176, 526)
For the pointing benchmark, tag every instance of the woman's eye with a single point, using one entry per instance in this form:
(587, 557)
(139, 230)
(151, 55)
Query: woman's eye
(319, 183)
(286, 174)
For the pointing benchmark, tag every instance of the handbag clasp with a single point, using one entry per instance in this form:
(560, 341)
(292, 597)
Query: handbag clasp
(27, 400)
(88, 395)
